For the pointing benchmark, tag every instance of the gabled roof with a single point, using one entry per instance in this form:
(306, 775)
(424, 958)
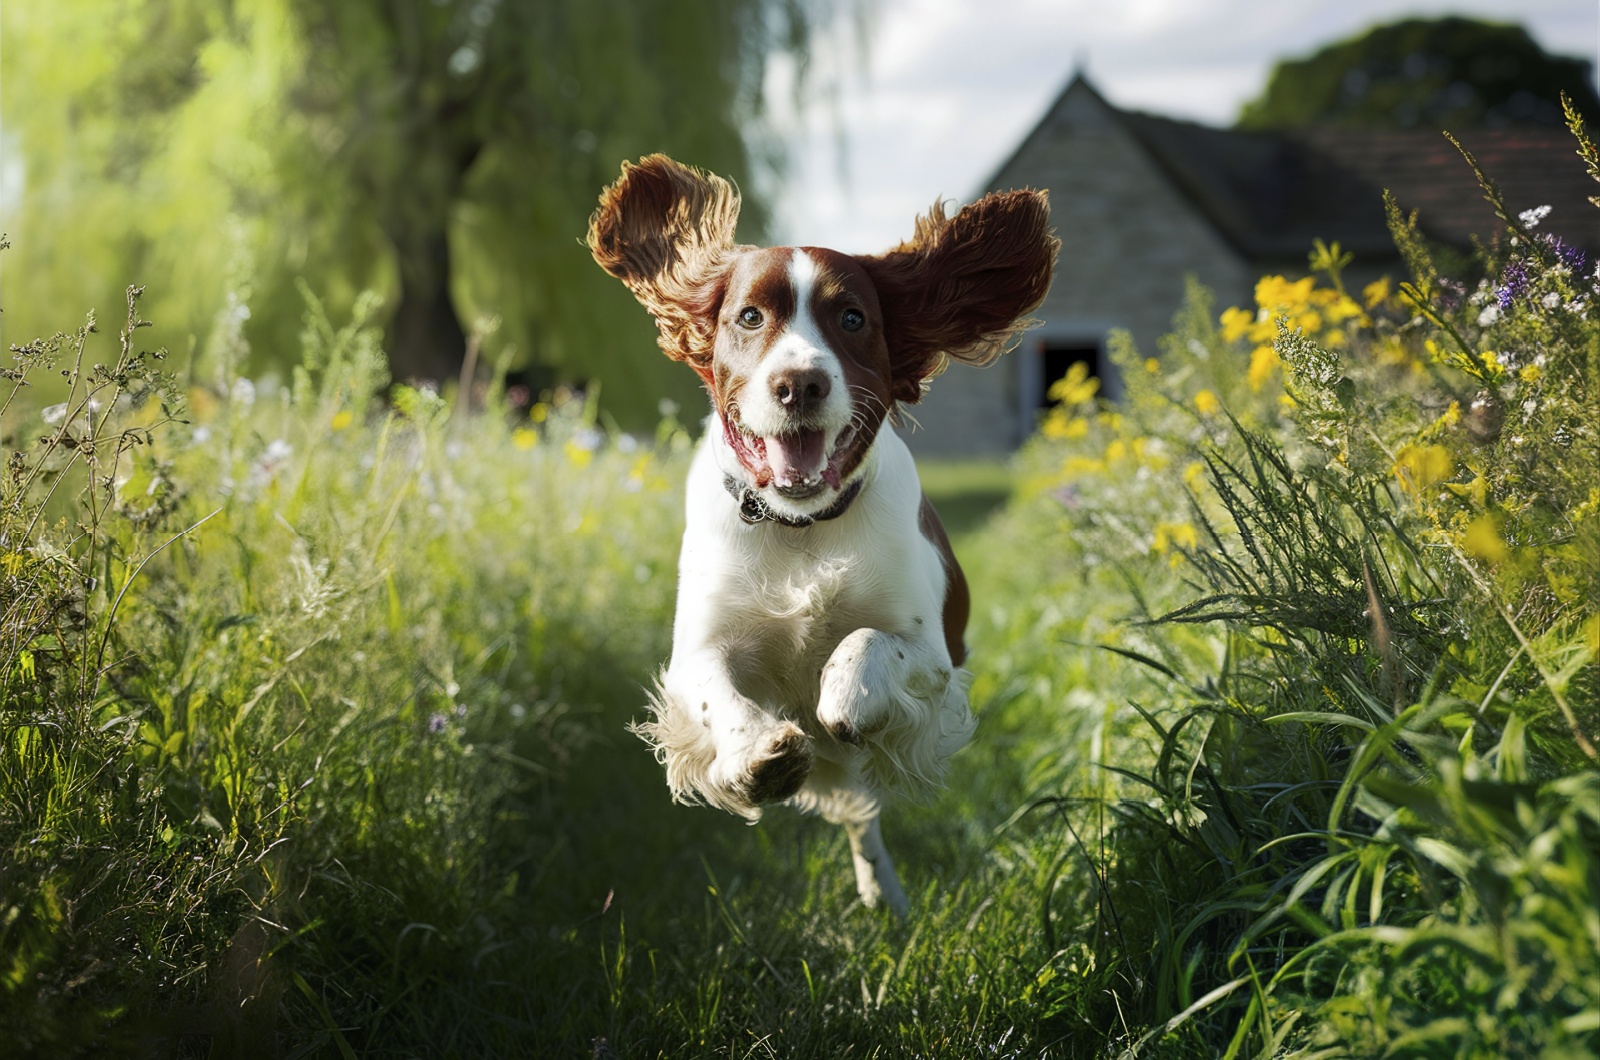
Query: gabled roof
(1269, 194)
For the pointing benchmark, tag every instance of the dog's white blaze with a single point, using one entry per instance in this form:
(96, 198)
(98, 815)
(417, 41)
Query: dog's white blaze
(801, 346)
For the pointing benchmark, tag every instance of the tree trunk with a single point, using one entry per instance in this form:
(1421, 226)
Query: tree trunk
(426, 340)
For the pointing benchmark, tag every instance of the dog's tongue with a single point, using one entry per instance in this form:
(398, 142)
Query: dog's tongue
(794, 457)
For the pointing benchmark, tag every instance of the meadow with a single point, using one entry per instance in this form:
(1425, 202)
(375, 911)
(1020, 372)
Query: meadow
(312, 711)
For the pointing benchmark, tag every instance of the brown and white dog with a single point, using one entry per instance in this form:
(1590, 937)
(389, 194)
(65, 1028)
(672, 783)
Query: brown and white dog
(818, 641)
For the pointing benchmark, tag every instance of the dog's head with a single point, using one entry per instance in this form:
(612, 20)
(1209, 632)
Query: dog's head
(805, 351)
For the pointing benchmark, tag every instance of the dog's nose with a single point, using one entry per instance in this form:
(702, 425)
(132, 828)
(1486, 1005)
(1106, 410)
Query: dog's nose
(801, 390)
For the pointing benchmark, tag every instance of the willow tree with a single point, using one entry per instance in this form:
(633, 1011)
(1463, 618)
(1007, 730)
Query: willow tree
(444, 152)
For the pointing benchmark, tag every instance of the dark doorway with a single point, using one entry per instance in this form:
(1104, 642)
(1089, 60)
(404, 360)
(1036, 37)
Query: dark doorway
(1056, 361)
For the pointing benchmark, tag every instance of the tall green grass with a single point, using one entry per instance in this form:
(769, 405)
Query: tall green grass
(276, 673)
(1364, 573)
(312, 731)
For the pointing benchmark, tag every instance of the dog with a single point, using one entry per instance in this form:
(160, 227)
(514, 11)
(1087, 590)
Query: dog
(818, 640)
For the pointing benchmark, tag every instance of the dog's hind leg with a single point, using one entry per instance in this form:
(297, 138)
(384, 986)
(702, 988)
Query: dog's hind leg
(876, 879)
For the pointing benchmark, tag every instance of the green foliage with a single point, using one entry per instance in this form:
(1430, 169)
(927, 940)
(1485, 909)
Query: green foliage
(312, 734)
(1443, 73)
(1368, 811)
(269, 682)
(444, 154)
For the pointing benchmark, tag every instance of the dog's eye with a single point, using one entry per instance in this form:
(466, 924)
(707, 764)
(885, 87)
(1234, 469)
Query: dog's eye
(852, 320)
(750, 316)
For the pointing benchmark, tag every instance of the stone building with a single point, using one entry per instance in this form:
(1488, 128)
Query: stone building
(1142, 202)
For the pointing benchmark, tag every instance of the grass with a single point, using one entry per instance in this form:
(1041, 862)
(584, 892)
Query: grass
(312, 730)
(967, 494)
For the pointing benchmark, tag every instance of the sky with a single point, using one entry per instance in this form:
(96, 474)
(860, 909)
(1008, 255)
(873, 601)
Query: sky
(926, 98)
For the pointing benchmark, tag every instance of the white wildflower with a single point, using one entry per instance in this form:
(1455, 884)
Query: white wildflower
(243, 392)
(1531, 218)
(1489, 315)
(1551, 300)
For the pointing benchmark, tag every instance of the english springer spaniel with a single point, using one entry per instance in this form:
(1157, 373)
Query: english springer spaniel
(818, 641)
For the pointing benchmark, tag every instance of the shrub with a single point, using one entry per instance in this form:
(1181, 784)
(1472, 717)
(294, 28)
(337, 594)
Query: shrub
(1358, 541)
(273, 672)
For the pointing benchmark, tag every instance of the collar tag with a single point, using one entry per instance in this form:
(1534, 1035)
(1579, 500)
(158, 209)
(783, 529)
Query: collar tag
(753, 510)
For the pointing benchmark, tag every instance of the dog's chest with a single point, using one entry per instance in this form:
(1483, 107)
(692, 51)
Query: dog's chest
(789, 608)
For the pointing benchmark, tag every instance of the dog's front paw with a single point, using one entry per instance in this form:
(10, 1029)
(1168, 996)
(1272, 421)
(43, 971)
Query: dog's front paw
(770, 769)
(858, 683)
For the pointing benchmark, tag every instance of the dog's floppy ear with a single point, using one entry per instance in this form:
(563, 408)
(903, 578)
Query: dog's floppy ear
(961, 285)
(666, 230)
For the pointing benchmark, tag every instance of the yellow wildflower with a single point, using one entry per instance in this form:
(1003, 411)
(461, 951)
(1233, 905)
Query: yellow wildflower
(1058, 426)
(1152, 365)
(1309, 321)
(1420, 466)
(1167, 535)
(341, 419)
(1376, 292)
(1207, 403)
(1452, 415)
(1235, 323)
(1482, 540)
(1264, 360)
(539, 413)
(1116, 450)
(1341, 308)
(1530, 373)
(1192, 473)
(1477, 491)
(524, 438)
(1076, 387)
(1078, 466)
(579, 456)
(1277, 293)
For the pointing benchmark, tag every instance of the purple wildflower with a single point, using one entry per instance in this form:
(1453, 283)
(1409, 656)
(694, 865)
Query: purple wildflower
(436, 723)
(1570, 256)
(1513, 284)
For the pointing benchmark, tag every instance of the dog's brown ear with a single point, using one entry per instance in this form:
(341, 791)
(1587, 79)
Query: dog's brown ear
(666, 230)
(961, 285)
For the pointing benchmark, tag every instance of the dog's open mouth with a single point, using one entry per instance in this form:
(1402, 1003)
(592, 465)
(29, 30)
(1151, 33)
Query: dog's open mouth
(796, 463)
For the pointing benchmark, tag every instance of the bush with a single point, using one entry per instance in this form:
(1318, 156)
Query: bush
(275, 672)
(1355, 537)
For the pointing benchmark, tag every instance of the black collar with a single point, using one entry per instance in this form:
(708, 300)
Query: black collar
(752, 509)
